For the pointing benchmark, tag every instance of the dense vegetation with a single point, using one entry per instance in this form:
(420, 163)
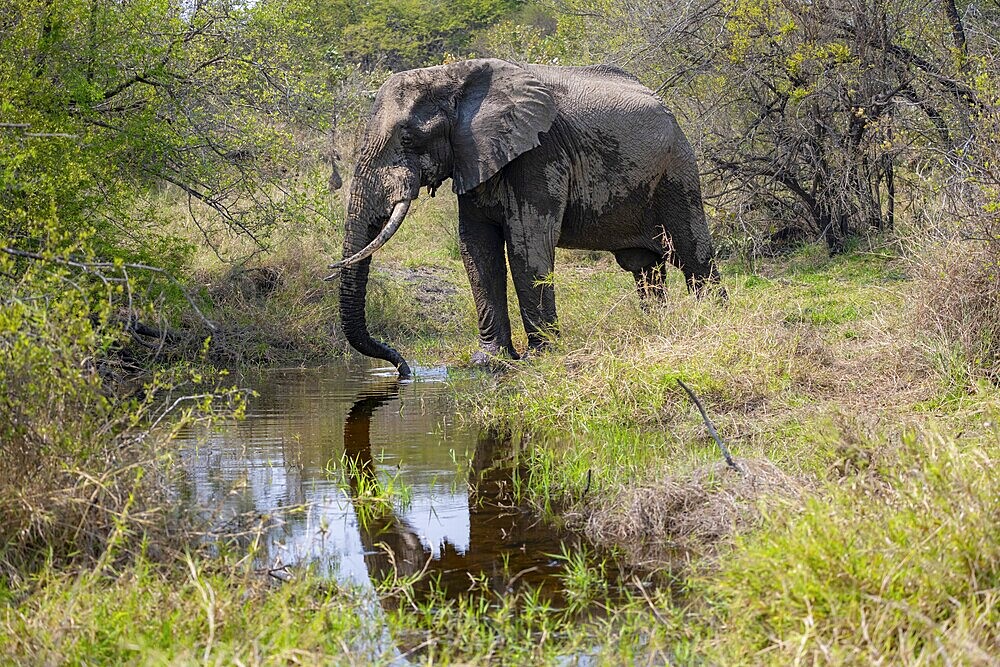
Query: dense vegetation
(165, 211)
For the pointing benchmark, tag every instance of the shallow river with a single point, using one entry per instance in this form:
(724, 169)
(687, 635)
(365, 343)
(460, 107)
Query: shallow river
(349, 469)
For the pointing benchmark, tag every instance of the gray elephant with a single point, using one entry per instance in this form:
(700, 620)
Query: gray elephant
(540, 157)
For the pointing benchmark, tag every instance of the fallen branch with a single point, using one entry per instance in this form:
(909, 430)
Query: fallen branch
(166, 335)
(711, 427)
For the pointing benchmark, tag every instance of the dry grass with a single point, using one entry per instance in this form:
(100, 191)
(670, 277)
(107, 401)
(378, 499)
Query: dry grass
(846, 541)
(852, 540)
(960, 306)
(810, 372)
(83, 459)
(274, 310)
(273, 307)
(683, 517)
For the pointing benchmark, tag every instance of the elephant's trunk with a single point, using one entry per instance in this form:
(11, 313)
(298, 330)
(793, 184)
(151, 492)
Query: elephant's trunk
(354, 287)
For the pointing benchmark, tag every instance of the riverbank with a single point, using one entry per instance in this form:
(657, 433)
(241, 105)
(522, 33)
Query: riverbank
(835, 395)
(854, 532)
(855, 413)
(858, 530)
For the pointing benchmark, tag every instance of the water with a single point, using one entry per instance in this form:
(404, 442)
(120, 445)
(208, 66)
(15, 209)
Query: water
(364, 477)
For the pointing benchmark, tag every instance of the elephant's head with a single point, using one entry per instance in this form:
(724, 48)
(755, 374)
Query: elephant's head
(463, 121)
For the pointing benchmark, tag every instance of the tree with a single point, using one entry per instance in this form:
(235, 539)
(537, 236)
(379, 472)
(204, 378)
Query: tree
(803, 111)
(210, 99)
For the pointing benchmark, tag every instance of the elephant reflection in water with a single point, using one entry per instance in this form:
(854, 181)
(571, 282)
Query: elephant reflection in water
(503, 540)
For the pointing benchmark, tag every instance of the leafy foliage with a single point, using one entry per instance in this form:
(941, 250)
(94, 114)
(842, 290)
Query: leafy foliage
(205, 99)
(78, 473)
(809, 116)
(403, 34)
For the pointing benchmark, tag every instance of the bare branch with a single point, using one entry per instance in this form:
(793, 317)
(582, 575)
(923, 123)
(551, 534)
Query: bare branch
(96, 268)
(711, 427)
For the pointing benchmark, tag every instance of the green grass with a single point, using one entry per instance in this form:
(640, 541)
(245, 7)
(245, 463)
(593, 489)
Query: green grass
(198, 612)
(813, 372)
(899, 567)
(607, 401)
(222, 611)
(862, 531)
(863, 548)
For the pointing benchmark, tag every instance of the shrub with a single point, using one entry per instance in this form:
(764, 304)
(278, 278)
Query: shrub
(959, 299)
(960, 306)
(79, 473)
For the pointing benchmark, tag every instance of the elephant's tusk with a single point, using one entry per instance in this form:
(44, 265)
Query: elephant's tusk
(398, 213)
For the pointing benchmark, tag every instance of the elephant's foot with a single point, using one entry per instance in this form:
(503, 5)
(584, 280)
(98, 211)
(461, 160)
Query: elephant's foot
(491, 355)
(713, 289)
(708, 284)
(532, 353)
(536, 349)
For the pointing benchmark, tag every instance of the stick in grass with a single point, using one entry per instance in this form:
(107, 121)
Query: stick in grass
(711, 427)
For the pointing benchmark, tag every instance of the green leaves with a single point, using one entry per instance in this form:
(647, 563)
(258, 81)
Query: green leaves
(210, 102)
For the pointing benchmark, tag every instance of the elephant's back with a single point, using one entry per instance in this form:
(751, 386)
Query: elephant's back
(607, 74)
(597, 87)
(604, 103)
(620, 142)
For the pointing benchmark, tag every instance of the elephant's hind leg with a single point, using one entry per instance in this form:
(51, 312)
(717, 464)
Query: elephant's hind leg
(698, 274)
(647, 268)
(677, 218)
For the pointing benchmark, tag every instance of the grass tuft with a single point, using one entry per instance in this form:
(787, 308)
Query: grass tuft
(678, 519)
(960, 309)
(904, 571)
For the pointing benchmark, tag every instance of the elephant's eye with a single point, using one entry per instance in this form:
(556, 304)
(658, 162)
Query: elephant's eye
(406, 138)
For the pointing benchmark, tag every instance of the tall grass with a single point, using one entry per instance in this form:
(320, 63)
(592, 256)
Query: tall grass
(188, 612)
(807, 356)
(274, 307)
(860, 529)
(904, 569)
(960, 308)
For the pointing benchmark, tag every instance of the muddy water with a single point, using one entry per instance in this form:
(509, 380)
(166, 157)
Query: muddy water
(364, 476)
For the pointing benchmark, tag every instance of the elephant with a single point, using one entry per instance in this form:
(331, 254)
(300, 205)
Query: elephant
(540, 157)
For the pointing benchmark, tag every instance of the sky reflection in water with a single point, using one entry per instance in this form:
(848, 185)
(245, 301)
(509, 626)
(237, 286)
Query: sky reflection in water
(317, 439)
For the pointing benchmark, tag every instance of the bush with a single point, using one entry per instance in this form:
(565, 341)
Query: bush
(79, 470)
(959, 303)
(960, 306)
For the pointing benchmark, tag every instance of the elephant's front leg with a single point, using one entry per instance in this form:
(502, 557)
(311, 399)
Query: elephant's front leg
(481, 245)
(531, 248)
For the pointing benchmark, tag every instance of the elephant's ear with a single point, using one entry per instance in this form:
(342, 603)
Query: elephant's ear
(500, 110)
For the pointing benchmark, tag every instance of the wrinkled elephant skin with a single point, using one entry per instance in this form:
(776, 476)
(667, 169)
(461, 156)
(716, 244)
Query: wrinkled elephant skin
(540, 157)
